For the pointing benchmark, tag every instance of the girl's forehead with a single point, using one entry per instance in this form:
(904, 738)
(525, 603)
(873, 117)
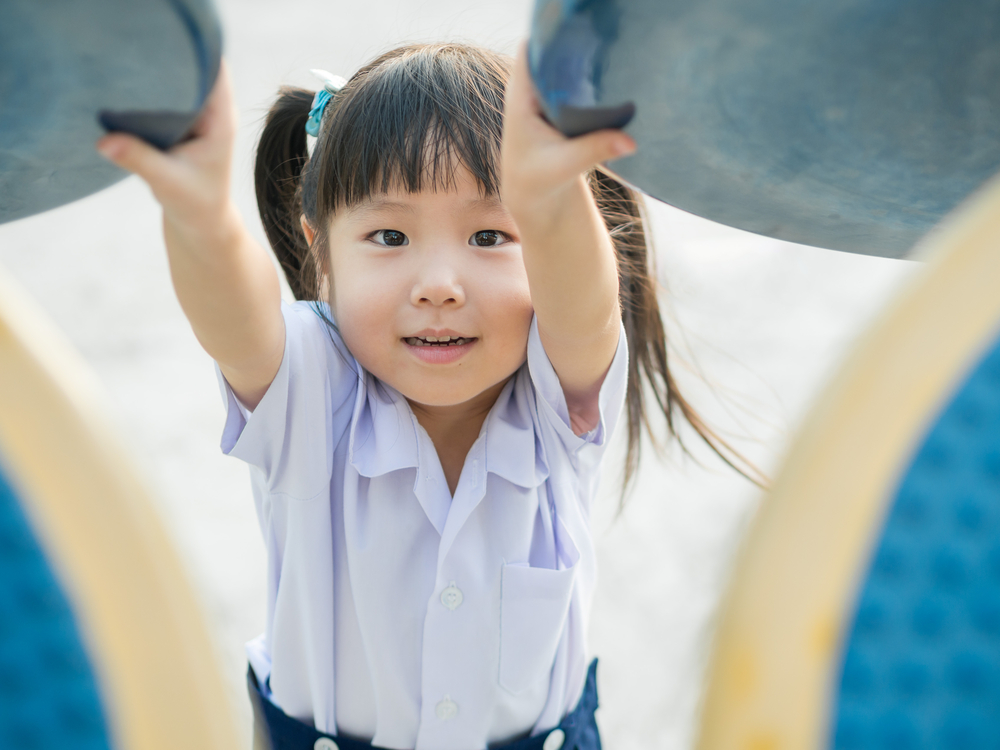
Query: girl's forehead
(464, 194)
(410, 201)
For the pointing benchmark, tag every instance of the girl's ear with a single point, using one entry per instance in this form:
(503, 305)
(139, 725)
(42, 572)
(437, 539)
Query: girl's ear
(307, 229)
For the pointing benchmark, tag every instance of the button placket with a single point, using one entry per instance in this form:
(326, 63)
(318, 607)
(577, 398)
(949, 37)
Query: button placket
(441, 626)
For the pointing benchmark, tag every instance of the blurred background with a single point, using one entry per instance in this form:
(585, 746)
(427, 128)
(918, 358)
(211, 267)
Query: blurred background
(756, 326)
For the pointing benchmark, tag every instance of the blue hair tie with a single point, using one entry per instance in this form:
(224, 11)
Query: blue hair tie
(331, 85)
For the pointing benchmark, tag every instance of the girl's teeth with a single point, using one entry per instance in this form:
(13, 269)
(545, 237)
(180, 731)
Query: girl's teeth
(437, 341)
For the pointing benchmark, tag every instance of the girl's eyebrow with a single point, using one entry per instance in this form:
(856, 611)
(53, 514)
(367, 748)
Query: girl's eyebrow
(380, 205)
(486, 202)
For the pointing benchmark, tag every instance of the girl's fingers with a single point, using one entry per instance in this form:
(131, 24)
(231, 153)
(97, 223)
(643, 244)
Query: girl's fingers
(529, 138)
(193, 172)
(580, 153)
(136, 156)
(216, 126)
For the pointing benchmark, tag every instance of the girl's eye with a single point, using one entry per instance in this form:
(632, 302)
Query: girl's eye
(389, 238)
(488, 238)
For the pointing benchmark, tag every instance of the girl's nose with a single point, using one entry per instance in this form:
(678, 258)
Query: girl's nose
(438, 285)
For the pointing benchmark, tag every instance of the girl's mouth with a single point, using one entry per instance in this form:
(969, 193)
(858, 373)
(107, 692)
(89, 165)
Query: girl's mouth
(438, 341)
(439, 350)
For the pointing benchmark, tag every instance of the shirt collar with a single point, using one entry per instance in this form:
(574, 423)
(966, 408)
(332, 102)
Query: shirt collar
(383, 434)
(383, 437)
(513, 449)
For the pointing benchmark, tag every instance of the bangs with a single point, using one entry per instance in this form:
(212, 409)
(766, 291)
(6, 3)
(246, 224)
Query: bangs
(407, 122)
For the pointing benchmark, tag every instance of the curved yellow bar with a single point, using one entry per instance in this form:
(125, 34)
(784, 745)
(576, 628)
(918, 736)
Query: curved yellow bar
(142, 626)
(770, 685)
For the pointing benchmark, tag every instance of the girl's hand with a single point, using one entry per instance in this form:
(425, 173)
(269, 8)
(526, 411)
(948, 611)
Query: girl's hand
(567, 251)
(540, 164)
(225, 282)
(191, 180)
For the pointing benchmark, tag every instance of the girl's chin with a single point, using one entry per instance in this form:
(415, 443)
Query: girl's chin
(464, 392)
(451, 392)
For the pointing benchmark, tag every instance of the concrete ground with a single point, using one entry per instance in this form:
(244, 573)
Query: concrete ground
(757, 326)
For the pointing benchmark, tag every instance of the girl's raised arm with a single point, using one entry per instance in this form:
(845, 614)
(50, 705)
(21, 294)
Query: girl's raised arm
(568, 254)
(224, 280)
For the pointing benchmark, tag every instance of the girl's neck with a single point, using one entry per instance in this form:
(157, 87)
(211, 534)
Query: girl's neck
(453, 429)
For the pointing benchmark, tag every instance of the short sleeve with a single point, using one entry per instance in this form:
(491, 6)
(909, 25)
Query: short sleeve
(551, 400)
(290, 435)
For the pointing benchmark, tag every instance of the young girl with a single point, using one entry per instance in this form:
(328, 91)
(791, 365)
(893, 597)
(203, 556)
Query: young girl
(425, 426)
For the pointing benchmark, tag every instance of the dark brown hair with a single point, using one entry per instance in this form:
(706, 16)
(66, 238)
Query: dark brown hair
(406, 121)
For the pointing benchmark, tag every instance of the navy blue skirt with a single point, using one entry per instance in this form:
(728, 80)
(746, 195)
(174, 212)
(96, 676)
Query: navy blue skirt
(578, 731)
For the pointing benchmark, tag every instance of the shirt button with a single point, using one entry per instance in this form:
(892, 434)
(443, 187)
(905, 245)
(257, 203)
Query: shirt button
(325, 743)
(451, 597)
(555, 740)
(446, 709)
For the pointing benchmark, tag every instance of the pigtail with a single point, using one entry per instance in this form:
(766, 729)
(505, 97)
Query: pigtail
(647, 341)
(281, 158)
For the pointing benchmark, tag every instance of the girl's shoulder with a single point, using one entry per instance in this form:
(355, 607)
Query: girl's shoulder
(309, 313)
(311, 323)
(550, 401)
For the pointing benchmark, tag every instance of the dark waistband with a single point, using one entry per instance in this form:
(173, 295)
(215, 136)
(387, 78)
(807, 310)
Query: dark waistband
(578, 730)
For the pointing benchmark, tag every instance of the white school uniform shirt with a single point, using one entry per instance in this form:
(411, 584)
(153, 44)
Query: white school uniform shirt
(396, 613)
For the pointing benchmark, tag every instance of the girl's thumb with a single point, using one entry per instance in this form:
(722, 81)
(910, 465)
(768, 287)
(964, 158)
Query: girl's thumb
(136, 156)
(600, 146)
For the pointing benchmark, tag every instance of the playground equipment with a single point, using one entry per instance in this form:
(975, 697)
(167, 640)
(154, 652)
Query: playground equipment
(101, 640)
(852, 124)
(72, 69)
(103, 644)
(864, 608)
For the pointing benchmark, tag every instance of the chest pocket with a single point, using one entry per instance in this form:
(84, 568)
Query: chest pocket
(534, 604)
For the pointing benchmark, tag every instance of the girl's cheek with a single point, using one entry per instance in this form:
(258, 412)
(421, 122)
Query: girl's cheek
(364, 315)
(515, 297)
(359, 333)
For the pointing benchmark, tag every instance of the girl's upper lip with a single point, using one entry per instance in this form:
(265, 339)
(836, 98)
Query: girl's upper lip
(438, 333)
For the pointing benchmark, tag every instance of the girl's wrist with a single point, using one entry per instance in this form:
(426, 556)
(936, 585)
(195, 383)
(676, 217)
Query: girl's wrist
(199, 200)
(213, 231)
(541, 213)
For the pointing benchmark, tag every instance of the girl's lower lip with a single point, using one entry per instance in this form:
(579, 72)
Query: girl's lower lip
(440, 355)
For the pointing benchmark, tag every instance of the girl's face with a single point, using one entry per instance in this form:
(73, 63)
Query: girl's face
(429, 291)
